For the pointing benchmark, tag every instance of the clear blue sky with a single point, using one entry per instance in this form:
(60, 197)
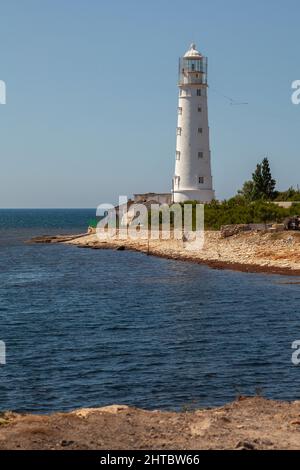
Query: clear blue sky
(92, 96)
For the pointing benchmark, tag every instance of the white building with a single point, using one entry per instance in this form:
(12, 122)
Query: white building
(193, 178)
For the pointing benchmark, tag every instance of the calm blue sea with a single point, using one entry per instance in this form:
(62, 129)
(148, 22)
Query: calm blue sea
(86, 328)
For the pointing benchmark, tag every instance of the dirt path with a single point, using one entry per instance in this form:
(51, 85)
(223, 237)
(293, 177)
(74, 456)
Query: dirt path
(251, 424)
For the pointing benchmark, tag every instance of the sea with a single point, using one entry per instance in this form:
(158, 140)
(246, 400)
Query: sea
(89, 328)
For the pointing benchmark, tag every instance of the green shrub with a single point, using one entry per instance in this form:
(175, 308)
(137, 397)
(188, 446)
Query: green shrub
(239, 211)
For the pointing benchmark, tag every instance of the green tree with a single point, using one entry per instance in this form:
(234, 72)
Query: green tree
(263, 183)
(247, 191)
(257, 180)
(268, 182)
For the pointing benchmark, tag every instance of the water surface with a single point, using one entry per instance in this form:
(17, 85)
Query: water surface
(86, 328)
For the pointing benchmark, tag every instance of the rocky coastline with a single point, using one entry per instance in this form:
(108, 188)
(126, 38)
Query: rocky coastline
(253, 252)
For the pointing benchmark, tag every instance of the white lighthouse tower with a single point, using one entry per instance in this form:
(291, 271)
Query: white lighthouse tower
(193, 178)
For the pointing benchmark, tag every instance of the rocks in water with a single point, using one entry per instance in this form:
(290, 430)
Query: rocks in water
(121, 248)
(56, 238)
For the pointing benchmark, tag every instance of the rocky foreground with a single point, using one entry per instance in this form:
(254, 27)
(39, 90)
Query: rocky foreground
(247, 424)
(249, 251)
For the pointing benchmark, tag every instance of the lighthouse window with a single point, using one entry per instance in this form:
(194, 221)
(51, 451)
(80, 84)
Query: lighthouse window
(179, 130)
(179, 110)
(201, 180)
(200, 154)
(200, 130)
(177, 155)
(199, 92)
(199, 109)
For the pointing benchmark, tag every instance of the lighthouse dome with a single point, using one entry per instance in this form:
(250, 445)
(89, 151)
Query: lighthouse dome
(193, 53)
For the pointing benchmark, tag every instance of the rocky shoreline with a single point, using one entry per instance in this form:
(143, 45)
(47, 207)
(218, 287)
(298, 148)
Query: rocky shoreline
(247, 424)
(254, 252)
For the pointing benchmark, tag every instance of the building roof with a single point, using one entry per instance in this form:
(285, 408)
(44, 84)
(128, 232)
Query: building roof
(192, 52)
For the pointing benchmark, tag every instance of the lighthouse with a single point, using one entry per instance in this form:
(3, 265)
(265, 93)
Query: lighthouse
(193, 177)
